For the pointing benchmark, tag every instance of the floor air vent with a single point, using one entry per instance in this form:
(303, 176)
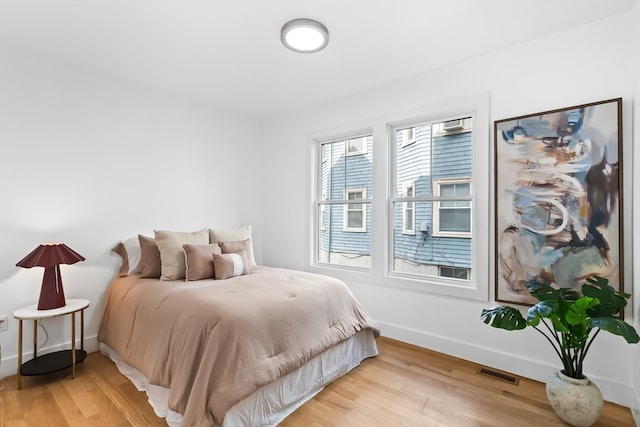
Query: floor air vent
(502, 376)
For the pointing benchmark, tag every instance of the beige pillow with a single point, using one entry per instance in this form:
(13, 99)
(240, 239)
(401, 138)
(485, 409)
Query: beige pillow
(149, 257)
(171, 252)
(199, 260)
(238, 234)
(231, 265)
(234, 247)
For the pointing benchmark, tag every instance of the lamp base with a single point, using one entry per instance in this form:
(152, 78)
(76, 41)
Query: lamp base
(51, 291)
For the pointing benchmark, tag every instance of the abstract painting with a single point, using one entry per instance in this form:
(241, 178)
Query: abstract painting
(558, 206)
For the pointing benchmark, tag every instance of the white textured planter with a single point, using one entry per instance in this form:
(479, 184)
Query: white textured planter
(576, 402)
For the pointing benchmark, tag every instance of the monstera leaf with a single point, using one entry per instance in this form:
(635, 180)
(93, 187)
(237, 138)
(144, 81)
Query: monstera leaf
(611, 302)
(504, 317)
(616, 327)
(577, 310)
(543, 291)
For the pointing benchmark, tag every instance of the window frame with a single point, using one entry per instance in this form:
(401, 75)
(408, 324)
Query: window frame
(323, 212)
(346, 210)
(381, 126)
(437, 183)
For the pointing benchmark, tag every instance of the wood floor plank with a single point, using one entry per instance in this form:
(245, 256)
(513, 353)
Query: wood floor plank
(404, 386)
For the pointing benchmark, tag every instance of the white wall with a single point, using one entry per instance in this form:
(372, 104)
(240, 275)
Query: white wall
(87, 159)
(585, 64)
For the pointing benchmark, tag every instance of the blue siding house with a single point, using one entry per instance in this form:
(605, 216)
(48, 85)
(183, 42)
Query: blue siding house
(430, 237)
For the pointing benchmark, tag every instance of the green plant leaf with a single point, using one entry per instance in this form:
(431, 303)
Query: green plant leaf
(543, 291)
(543, 309)
(617, 327)
(578, 335)
(577, 310)
(612, 302)
(504, 317)
(559, 324)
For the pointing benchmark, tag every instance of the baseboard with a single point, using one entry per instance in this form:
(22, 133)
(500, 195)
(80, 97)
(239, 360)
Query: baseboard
(621, 394)
(9, 365)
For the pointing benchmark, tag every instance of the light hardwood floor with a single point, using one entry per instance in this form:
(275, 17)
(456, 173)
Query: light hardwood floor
(403, 386)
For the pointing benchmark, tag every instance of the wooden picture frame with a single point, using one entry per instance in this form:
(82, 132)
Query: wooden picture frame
(558, 198)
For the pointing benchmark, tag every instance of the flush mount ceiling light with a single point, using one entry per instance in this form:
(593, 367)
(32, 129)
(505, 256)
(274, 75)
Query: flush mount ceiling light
(304, 35)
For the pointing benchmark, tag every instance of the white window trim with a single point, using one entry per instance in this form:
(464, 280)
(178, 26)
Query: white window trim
(324, 149)
(346, 210)
(382, 127)
(406, 186)
(355, 153)
(323, 214)
(436, 209)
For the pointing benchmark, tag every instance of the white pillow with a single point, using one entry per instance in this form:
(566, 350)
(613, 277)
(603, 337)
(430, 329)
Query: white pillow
(131, 254)
(242, 233)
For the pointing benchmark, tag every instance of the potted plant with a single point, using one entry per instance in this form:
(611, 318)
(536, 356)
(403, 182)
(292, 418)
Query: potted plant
(570, 322)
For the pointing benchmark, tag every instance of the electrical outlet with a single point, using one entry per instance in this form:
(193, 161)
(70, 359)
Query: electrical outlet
(4, 323)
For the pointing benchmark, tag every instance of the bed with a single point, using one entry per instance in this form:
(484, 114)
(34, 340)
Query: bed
(244, 351)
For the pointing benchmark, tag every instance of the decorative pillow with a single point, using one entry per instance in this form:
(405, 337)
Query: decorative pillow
(129, 251)
(230, 265)
(171, 252)
(235, 247)
(149, 257)
(242, 233)
(199, 260)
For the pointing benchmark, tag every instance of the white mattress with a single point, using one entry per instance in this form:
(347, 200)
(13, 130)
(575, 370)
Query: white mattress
(271, 403)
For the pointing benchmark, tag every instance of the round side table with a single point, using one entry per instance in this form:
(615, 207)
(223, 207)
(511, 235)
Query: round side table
(58, 360)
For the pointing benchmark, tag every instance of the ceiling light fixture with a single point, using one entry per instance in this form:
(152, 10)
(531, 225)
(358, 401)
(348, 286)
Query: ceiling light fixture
(304, 35)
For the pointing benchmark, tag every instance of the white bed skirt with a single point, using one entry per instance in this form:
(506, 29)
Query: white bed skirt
(273, 402)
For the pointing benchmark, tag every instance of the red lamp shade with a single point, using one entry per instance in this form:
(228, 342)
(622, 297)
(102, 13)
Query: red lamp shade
(50, 256)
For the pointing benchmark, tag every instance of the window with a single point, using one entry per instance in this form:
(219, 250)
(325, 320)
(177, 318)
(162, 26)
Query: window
(452, 217)
(343, 202)
(427, 229)
(355, 217)
(408, 136)
(356, 146)
(433, 189)
(408, 217)
(454, 272)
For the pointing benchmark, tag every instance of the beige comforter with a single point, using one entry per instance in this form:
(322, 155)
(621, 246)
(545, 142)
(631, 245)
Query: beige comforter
(214, 342)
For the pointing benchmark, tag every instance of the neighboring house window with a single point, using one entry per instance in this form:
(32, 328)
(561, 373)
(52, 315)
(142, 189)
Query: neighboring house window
(356, 146)
(408, 136)
(408, 210)
(355, 218)
(452, 217)
(454, 272)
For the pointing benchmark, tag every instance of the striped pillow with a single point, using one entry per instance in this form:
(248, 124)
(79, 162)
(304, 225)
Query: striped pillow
(230, 265)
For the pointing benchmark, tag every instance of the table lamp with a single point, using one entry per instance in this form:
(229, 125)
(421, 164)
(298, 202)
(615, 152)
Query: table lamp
(50, 256)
